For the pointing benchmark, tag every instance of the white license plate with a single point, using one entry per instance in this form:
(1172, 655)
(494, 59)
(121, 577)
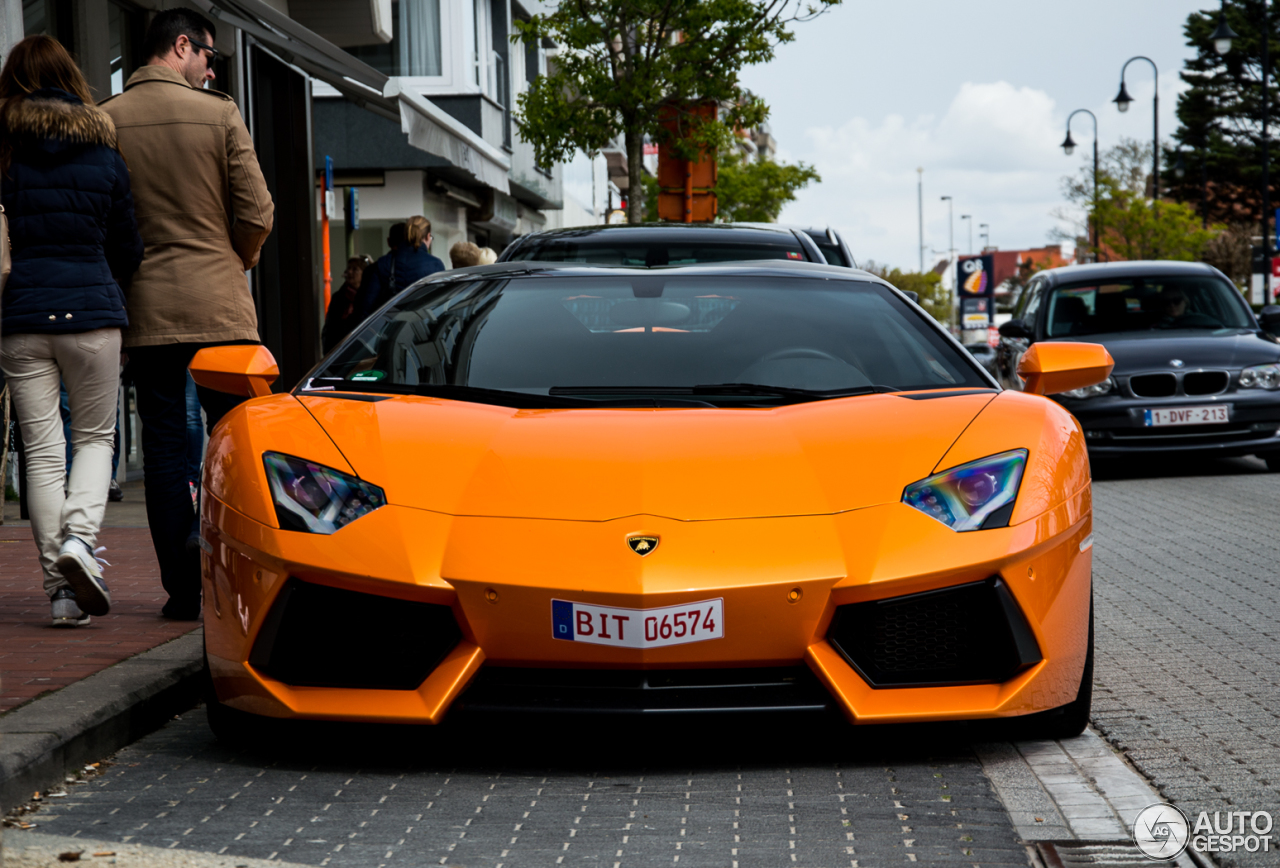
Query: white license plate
(1215, 414)
(638, 628)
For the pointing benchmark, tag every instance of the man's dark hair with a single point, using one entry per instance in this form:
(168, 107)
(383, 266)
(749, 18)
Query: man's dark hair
(396, 235)
(168, 25)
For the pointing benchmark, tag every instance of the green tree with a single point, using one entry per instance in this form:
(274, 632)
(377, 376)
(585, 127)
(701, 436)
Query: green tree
(1135, 227)
(623, 63)
(935, 299)
(1220, 117)
(747, 191)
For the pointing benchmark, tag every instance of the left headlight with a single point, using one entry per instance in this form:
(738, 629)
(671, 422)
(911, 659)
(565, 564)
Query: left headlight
(1261, 377)
(1104, 388)
(317, 499)
(972, 496)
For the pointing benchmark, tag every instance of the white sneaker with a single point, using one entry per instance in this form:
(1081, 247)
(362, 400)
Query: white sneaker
(77, 564)
(65, 611)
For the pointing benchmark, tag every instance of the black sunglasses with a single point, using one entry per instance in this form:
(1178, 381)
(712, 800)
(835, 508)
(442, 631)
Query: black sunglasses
(213, 52)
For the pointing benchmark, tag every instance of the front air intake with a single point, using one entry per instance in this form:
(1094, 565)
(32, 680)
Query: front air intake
(968, 634)
(318, 636)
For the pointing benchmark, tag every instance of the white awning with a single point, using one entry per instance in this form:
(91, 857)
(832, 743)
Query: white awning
(432, 129)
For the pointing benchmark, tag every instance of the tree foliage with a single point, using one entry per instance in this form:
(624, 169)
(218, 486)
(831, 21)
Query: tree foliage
(1220, 116)
(747, 191)
(934, 298)
(623, 64)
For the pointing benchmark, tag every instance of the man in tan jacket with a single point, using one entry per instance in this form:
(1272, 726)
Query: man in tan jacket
(204, 211)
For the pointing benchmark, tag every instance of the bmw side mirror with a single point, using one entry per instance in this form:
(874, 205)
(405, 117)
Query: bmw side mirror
(1015, 328)
(245, 369)
(1270, 318)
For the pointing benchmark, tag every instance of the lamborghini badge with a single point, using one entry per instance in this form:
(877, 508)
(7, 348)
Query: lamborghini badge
(642, 545)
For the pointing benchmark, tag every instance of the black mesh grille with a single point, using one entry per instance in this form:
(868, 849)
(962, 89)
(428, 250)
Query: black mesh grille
(1154, 385)
(614, 691)
(317, 636)
(969, 634)
(1205, 382)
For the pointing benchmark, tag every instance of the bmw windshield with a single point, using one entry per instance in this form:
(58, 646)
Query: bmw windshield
(1146, 303)
(554, 340)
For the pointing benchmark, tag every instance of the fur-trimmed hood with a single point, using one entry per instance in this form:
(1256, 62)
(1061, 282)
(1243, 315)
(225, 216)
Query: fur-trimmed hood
(53, 120)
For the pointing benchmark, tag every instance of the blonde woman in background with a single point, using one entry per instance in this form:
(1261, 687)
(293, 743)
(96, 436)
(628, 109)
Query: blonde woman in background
(405, 265)
(487, 256)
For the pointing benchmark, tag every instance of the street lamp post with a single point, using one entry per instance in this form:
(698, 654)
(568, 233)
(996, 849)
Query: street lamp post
(951, 243)
(985, 235)
(920, 214)
(1069, 146)
(969, 217)
(1122, 102)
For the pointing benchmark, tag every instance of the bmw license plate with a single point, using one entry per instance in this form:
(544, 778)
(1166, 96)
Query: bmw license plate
(638, 628)
(1213, 414)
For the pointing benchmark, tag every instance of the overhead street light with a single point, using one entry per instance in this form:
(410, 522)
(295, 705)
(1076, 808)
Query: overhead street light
(1123, 101)
(1224, 34)
(985, 235)
(969, 217)
(1069, 146)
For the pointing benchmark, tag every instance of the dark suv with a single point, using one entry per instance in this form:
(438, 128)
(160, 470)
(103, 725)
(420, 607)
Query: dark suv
(1195, 371)
(655, 244)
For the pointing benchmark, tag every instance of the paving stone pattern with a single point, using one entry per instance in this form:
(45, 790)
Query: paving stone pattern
(1187, 609)
(916, 800)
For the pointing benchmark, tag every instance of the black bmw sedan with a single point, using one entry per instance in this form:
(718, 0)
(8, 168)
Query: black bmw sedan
(1195, 370)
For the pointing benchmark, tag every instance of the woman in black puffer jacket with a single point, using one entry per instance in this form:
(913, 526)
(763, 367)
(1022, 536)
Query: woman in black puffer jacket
(65, 190)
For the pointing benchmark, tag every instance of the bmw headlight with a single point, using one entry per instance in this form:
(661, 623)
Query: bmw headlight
(317, 499)
(1104, 388)
(1261, 377)
(972, 496)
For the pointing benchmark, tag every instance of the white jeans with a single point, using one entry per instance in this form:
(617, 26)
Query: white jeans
(89, 364)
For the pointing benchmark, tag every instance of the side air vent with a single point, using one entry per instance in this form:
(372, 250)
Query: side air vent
(968, 634)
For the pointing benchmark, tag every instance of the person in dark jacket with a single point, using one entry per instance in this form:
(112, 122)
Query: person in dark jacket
(405, 265)
(65, 190)
(341, 317)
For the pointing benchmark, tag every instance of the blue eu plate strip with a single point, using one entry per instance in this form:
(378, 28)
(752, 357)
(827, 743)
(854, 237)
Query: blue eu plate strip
(562, 619)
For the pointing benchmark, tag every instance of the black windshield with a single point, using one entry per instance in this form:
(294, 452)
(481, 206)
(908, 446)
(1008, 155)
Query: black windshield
(1143, 303)
(630, 339)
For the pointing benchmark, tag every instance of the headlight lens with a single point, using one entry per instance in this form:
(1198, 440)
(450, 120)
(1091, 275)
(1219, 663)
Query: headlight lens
(317, 499)
(1261, 377)
(1103, 388)
(964, 497)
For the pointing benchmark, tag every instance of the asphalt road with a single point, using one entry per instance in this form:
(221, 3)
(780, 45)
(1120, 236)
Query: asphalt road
(1186, 684)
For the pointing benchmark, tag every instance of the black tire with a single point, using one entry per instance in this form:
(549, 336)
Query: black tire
(1071, 719)
(1272, 459)
(232, 727)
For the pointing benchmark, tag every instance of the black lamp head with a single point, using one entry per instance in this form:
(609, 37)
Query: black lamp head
(1069, 144)
(1123, 99)
(1223, 35)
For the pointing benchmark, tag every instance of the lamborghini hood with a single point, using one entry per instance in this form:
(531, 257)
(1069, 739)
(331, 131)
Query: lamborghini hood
(687, 464)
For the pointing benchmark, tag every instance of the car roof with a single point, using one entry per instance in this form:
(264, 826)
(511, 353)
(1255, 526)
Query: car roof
(1132, 268)
(745, 268)
(650, 233)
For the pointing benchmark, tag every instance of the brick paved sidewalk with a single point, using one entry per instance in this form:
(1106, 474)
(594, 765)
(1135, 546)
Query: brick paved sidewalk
(35, 657)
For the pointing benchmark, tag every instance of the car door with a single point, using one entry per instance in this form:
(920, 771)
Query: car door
(1017, 334)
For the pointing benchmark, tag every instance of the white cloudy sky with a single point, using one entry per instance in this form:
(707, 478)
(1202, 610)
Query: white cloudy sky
(977, 93)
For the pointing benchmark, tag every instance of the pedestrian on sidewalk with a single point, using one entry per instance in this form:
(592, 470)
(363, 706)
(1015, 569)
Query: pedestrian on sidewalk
(408, 262)
(204, 211)
(341, 317)
(65, 188)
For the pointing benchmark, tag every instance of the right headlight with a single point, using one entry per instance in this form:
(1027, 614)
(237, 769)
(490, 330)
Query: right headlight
(1103, 388)
(316, 499)
(1261, 377)
(972, 496)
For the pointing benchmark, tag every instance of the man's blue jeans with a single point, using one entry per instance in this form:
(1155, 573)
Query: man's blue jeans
(160, 376)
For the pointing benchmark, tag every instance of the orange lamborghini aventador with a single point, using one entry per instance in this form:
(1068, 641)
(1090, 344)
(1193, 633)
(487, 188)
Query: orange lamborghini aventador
(555, 487)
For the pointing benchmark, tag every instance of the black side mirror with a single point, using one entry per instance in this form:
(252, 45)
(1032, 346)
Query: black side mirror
(1016, 328)
(915, 296)
(1270, 318)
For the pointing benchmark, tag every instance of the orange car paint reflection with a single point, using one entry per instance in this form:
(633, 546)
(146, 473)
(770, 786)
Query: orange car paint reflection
(749, 505)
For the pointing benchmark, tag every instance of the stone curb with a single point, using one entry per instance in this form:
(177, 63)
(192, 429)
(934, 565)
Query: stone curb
(41, 742)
